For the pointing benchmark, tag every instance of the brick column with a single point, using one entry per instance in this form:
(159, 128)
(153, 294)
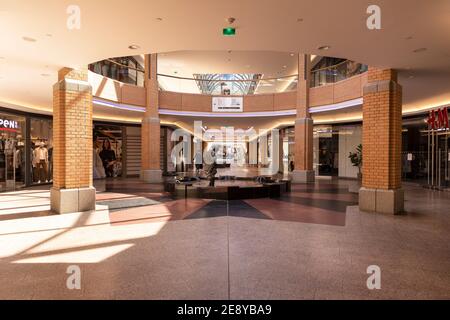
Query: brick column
(382, 143)
(151, 168)
(72, 142)
(303, 150)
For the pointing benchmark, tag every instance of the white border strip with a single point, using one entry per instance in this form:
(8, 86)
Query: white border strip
(228, 114)
(122, 106)
(337, 106)
(290, 112)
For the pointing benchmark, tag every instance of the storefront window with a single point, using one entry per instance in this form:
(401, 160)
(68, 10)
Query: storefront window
(41, 150)
(12, 151)
(107, 151)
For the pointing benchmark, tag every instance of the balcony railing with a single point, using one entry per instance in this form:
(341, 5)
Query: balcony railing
(115, 70)
(338, 72)
(234, 84)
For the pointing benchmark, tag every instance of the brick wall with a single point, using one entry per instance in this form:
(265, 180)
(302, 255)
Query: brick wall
(72, 130)
(382, 125)
(151, 123)
(303, 124)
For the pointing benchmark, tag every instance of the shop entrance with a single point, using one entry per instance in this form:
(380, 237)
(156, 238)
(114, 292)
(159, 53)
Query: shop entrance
(438, 151)
(438, 159)
(12, 152)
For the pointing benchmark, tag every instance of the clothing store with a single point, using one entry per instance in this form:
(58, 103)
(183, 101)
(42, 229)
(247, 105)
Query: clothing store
(25, 149)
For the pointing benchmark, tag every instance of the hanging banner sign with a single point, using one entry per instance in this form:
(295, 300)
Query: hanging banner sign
(227, 104)
(438, 119)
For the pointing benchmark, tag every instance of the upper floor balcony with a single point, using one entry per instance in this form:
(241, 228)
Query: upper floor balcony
(130, 70)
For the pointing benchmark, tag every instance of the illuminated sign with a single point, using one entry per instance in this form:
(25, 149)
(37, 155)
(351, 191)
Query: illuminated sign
(227, 104)
(8, 124)
(438, 119)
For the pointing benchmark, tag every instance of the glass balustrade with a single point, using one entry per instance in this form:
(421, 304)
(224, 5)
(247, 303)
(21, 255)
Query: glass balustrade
(336, 73)
(127, 70)
(228, 84)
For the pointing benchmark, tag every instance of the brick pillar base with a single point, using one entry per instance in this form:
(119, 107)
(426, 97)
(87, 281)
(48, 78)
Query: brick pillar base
(303, 176)
(382, 133)
(383, 201)
(72, 200)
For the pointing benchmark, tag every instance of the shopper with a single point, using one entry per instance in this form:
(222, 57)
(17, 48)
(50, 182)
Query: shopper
(108, 157)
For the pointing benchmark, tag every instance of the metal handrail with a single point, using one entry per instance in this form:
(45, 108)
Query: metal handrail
(330, 67)
(226, 80)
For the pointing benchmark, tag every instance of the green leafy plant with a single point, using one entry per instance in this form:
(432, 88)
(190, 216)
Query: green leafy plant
(356, 158)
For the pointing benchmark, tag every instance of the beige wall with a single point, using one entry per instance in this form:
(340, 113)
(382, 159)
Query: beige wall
(344, 90)
(128, 94)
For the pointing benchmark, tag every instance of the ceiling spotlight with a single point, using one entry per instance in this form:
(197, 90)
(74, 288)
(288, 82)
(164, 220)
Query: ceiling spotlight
(284, 67)
(133, 47)
(409, 38)
(231, 20)
(420, 50)
(49, 35)
(323, 48)
(29, 39)
(300, 20)
(411, 76)
(45, 74)
(159, 19)
(292, 54)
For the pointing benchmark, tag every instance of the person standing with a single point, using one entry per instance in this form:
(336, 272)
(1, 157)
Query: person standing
(198, 162)
(108, 157)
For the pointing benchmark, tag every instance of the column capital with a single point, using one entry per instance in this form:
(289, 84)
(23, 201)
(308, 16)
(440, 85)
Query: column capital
(304, 121)
(74, 74)
(378, 74)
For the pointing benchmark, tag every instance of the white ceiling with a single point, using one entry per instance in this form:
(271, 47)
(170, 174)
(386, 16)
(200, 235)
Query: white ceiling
(108, 27)
(185, 64)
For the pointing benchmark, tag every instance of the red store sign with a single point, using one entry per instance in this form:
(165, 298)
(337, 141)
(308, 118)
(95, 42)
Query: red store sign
(438, 119)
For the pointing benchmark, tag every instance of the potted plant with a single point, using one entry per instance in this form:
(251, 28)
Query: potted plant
(356, 159)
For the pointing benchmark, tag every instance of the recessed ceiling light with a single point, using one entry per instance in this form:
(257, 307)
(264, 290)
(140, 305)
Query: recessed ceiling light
(299, 19)
(133, 47)
(420, 50)
(323, 48)
(292, 54)
(231, 20)
(409, 38)
(29, 39)
(284, 67)
(45, 74)
(49, 35)
(159, 19)
(411, 76)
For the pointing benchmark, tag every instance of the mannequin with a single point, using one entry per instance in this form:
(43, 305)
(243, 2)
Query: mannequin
(40, 155)
(99, 170)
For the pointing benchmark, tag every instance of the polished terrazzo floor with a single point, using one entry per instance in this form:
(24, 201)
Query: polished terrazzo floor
(313, 243)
